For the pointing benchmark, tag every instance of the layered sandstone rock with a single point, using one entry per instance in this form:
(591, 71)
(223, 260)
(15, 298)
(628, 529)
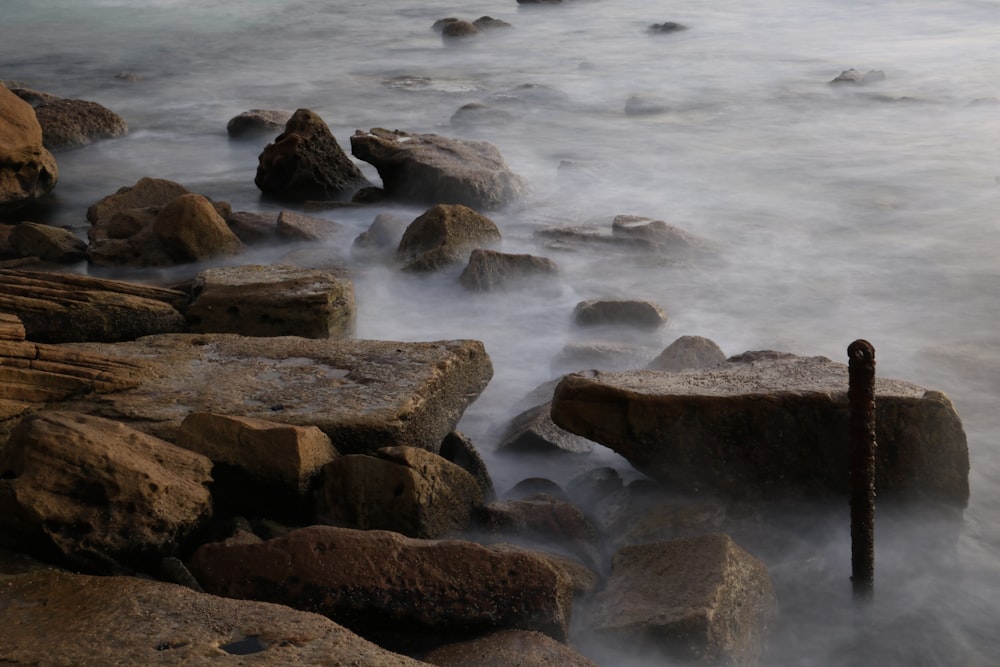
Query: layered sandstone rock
(27, 169)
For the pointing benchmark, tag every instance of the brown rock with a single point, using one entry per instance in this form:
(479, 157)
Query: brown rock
(490, 270)
(257, 122)
(398, 590)
(11, 327)
(688, 352)
(632, 312)
(97, 621)
(533, 431)
(98, 494)
(543, 517)
(27, 170)
(458, 29)
(444, 234)
(71, 123)
(298, 227)
(48, 243)
(508, 647)
(191, 230)
(146, 193)
(253, 227)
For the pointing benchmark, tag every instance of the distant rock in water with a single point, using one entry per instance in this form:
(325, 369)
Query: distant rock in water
(71, 123)
(256, 122)
(666, 27)
(853, 76)
(458, 29)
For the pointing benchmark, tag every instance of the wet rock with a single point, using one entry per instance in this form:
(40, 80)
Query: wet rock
(272, 300)
(666, 27)
(30, 95)
(702, 599)
(70, 123)
(48, 243)
(28, 171)
(443, 235)
(146, 193)
(257, 122)
(490, 270)
(533, 431)
(253, 227)
(477, 114)
(631, 312)
(298, 227)
(667, 518)
(853, 76)
(89, 620)
(361, 393)
(490, 23)
(440, 24)
(664, 237)
(591, 237)
(532, 486)
(60, 307)
(604, 355)
(432, 590)
(403, 489)
(590, 486)
(458, 29)
(11, 327)
(687, 353)
(306, 162)
(97, 494)
(382, 237)
(433, 169)
(459, 449)
(506, 648)
(768, 424)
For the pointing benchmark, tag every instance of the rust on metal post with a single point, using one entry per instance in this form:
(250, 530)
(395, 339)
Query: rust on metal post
(861, 399)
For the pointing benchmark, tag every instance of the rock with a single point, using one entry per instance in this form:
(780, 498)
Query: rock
(533, 486)
(490, 23)
(594, 238)
(97, 494)
(645, 105)
(590, 486)
(632, 312)
(399, 591)
(702, 599)
(476, 114)
(444, 234)
(440, 24)
(458, 29)
(272, 300)
(71, 123)
(853, 76)
(60, 307)
(662, 236)
(33, 97)
(261, 467)
(666, 27)
(489, 270)
(91, 621)
(432, 169)
(48, 243)
(544, 519)
(506, 648)
(768, 424)
(688, 352)
(146, 193)
(11, 327)
(605, 355)
(361, 393)
(257, 122)
(191, 230)
(306, 162)
(28, 171)
(667, 518)
(382, 237)
(253, 227)
(458, 448)
(403, 489)
(533, 431)
(298, 227)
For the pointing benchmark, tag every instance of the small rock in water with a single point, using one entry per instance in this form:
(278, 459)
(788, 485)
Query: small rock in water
(666, 27)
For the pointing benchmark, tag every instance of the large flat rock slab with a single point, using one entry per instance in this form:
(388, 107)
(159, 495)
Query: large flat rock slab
(364, 394)
(767, 424)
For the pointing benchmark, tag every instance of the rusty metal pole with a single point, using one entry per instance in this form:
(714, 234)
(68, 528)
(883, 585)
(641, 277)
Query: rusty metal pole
(861, 399)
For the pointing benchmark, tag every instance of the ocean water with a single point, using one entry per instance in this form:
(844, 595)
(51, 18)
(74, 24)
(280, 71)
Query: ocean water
(832, 212)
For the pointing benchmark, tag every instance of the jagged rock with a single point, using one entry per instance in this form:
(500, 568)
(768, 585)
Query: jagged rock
(191, 230)
(361, 393)
(97, 494)
(272, 300)
(95, 621)
(306, 162)
(11, 327)
(432, 590)
(489, 270)
(768, 424)
(533, 431)
(508, 647)
(257, 122)
(433, 169)
(60, 308)
(403, 489)
(298, 227)
(444, 234)
(630, 312)
(70, 123)
(28, 171)
(48, 243)
(688, 352)
(702, 599)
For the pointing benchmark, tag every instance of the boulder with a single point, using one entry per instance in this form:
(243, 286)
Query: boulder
(299, 227)
(403, 489)
(533, 431)
(631, 312)
(444, 234)
(253, 227)
(432, 169)
(146, 193)
(361, 393)
(489, 270)
(664, 237)
(688, 352)
(48, 243)
(459, 449)
(94, 621)
(98, 495)
(382, 237)
(701, 600)
(768, 424)
(272, 300)
(306, 162)
(606, 355)
(490, 23)
(71, 123)
(855, 77)
(508, 647)
(191, 230)
(62, 307)
(398, 591)
(477, 114)
(257, 122)
(28, 171)
(458, 29)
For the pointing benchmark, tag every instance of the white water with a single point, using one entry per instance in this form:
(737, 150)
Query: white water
(838, 212)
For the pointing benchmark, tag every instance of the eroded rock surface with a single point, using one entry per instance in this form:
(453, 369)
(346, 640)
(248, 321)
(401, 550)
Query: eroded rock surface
(27, 170)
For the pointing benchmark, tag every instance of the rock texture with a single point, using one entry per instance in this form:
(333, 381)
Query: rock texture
(98, 494)
(432, 169)
(393, 589)
(688, 352)
(490, 270)
(27, 170)
(97, 621)
(272, 300)
(768, 424)
(508, 647)
(533, 431)
(444, 234)
(191, 230)
(306, 162)
(257, 122)
(70, 123)
(630, 312)
(47, 243)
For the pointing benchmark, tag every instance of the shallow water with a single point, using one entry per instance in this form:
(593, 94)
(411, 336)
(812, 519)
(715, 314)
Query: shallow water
(834, 212)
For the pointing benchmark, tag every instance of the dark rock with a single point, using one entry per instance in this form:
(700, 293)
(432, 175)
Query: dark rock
(298, 227)
(459, 449)
(853, 76)
(253, 227)
(490, 23)
(257, 122)
(508, 647)
(533, 431)
(48, 243)
(444, 234)
(382, 237)
(490, 270)
(71, 123)
(440, 24)
(666, 27)
(631, 312)
(146, 193)
(531, 486)
(604, 355)
(476, 114)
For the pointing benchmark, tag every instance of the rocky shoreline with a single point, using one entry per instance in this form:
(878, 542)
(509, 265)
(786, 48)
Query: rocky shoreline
(218, 467)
